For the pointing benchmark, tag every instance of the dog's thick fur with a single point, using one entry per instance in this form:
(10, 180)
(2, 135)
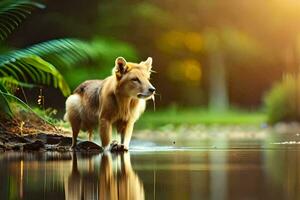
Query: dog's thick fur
(117, 100)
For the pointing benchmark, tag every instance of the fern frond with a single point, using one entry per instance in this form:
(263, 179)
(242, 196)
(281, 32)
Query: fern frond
(11, 84)
(12, 13)
(61, 53)
(38, 64)
(33, 69)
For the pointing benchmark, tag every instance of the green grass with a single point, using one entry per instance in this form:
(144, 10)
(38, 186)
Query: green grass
(192, 116)
(177, 117)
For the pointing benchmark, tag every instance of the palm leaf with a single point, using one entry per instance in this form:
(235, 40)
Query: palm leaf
(32, 64)
(11, 84)
(61, 53)
(12, 13)
(33, 69)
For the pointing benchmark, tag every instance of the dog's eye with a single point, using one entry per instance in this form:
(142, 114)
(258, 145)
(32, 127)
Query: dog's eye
(136, 80)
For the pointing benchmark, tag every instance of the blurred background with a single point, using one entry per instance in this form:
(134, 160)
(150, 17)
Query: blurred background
(224, 71)
(236, 57)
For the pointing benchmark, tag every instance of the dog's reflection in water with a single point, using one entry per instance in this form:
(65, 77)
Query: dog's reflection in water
(116, 180)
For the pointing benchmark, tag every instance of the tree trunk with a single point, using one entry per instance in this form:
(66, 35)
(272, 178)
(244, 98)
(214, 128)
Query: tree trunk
(218, 91)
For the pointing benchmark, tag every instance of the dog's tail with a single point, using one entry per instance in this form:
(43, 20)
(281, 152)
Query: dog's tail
(66, 117)
(73, 106)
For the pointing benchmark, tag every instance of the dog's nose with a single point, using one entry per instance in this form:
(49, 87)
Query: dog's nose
(152, 89)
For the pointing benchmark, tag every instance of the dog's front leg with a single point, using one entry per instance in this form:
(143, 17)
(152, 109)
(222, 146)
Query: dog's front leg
(126, 134)
(105, 132)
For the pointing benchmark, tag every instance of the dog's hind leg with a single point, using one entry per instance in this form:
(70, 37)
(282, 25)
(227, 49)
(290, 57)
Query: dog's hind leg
(75, 123)
(90, 132)
(73, 110)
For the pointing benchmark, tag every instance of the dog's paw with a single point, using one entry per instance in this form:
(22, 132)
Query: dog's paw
(115, 147)
(73, 148)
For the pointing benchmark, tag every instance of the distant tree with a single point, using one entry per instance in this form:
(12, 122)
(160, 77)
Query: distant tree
(222, 46)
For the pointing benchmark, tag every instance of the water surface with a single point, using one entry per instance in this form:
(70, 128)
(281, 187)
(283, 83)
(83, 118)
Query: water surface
(209, 170)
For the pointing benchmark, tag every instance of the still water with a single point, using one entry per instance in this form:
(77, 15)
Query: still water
(219, 170)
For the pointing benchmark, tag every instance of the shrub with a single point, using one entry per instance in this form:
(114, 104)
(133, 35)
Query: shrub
(283, 100)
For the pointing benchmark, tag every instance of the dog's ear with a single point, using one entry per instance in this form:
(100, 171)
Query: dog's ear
(120, 67)
(148, 63)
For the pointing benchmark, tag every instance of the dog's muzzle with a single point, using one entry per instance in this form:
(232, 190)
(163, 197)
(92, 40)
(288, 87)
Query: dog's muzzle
(148, 94)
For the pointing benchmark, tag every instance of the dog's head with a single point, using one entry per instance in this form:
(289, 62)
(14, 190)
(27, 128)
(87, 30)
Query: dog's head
(133, 78)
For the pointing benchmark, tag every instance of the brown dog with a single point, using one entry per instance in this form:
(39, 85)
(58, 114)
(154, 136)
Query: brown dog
(119, 99)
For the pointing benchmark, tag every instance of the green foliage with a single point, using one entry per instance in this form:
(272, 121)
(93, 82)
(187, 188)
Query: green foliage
(36, 64)
(12, 13)
(26, 66)
(152, 13)
(4, 103)
(193, 116)
(62, 53)
(12, 84)
(47, 114)
(24, 111)
(108, 49)
(236, 45)
(281, 101)
(35, 68)
(103, 52)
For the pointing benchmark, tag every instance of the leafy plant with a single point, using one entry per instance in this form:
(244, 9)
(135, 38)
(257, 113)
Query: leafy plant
(60, 52)
(35, 65)
(12, 13)
(281, 101)
(42, 63)
(4, 103)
